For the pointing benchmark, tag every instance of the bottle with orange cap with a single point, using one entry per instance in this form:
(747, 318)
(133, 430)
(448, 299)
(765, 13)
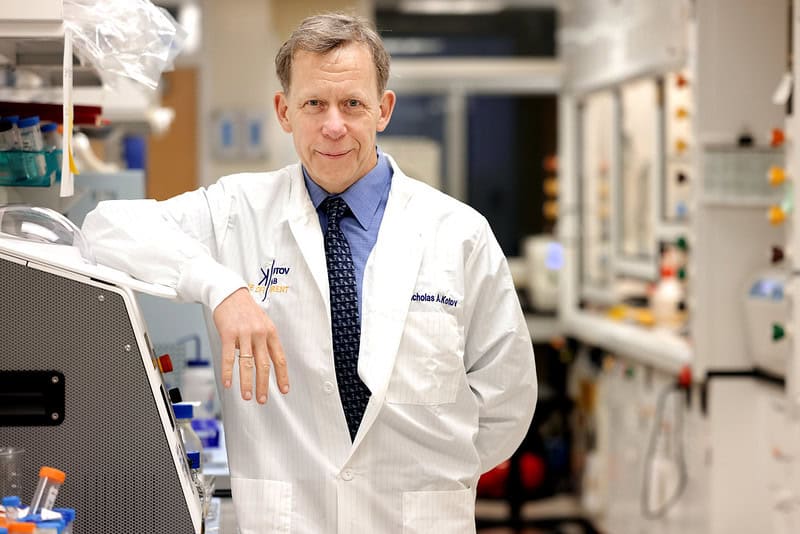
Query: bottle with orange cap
(50, 481)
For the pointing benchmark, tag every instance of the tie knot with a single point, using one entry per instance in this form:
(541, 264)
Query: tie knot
(335, 208)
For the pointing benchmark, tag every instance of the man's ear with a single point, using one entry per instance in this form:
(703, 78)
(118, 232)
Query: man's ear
(281, 110)
(387, 107)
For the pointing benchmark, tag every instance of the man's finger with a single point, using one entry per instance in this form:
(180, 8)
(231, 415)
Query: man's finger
(278, 360)
(262, 371)
(246, 364)
(228, 357)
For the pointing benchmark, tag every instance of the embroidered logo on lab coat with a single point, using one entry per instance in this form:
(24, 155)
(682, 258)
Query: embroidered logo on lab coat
(434, 297)
(272, 280)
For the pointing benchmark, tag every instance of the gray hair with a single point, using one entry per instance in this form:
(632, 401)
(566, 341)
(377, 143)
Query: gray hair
(322, 33)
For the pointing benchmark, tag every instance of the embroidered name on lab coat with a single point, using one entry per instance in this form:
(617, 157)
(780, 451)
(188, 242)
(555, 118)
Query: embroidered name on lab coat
(438, 297)
(273, 280)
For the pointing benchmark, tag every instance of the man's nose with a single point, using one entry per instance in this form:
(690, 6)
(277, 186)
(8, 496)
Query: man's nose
(334, 125)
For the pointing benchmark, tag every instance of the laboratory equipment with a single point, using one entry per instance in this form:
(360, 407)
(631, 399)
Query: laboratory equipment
(11, 504)
(766, 309)
(9, 471)
(198, 385)
(21, 528)
(68, 515)
(184, 412)
(86, 392)
(666, 300)
(30, 135)
(50, 481)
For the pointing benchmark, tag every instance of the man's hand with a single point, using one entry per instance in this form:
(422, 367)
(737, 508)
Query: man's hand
(242, 324)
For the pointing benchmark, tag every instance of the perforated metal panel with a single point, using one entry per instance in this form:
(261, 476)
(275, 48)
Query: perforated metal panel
(121, 477)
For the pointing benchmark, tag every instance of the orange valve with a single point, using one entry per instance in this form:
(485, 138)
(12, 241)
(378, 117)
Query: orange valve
(681, 81)
(776, 215)
(777, 138)
(776, 176)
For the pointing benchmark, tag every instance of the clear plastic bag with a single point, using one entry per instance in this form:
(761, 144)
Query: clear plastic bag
(124, 38)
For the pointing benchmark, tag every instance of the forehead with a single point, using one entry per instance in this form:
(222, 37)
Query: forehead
(348, 65)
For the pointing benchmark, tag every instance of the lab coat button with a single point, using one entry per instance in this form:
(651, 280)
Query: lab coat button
(347, 475)
(328, 387)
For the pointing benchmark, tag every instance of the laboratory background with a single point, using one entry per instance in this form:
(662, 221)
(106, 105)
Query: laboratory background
(635, 159)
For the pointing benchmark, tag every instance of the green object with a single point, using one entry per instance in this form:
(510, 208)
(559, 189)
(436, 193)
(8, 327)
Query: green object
(682, 273)
(778, 332)
(682, 243)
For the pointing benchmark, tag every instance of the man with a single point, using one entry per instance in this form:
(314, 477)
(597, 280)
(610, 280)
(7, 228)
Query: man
(412, 369)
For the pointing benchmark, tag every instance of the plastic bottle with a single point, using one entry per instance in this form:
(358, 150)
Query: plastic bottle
(44, 496)
(666, 299)
(52, 144)
(10, 143)
(197, 479)
(30, 134)
(11, 505)
(184, 412)
(198, 385)
(8, 137)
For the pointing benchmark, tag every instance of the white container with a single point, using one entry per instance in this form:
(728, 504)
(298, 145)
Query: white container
(666, 300)
(198, 385)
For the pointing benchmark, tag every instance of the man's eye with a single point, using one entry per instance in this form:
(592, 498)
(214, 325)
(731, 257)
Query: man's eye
(353, 103)
(313, 102)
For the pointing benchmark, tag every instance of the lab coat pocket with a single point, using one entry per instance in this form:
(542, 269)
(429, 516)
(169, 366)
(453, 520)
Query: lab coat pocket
(262, 505)
(442, 512)
(428, 367)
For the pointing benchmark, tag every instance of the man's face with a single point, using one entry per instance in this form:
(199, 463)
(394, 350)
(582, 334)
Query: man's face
(334, 111)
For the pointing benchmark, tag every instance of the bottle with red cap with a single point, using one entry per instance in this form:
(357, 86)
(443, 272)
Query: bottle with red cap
(665, 302)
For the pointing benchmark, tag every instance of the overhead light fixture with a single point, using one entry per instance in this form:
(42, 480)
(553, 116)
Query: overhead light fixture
(451, 7)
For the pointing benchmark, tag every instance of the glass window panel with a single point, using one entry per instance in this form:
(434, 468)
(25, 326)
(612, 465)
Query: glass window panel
(638, 153)
(595, 153)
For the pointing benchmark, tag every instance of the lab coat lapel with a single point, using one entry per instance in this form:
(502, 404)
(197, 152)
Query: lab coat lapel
(389, 282)
(304, 224)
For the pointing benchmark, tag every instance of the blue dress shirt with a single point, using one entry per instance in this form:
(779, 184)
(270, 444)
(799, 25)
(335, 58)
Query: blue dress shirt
(367, 200)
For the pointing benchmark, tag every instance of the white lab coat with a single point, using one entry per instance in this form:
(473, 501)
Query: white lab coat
(445, 350)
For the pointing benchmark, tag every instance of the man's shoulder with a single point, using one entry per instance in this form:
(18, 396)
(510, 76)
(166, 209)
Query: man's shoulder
(440, 208)
(264, 179)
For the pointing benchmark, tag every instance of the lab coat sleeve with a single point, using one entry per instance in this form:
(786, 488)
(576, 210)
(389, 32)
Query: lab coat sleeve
(498, 353)
(173, 243)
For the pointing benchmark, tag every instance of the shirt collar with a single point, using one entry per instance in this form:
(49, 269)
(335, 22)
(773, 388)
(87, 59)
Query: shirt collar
(364, 196)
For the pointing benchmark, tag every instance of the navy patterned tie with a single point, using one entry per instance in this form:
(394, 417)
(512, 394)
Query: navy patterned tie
(344, 315)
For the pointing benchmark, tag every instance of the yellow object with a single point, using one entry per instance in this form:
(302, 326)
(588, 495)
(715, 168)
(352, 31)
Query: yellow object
(617, 313)
(681, 146)
(550, 186)
(776, 176)
(645, 318)
(681, 113)
(550, 209)
(776, 215)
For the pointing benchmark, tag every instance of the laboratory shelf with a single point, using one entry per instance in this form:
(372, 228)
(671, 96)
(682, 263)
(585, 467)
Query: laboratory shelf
(652, 347)
(24, 19)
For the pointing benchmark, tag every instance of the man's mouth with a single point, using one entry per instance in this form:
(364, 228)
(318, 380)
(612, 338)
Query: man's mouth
(333, 155)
